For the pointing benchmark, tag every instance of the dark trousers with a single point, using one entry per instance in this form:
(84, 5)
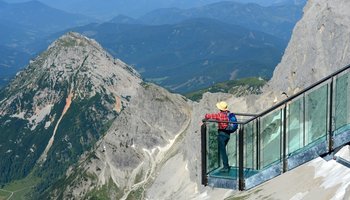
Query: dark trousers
(223, 139)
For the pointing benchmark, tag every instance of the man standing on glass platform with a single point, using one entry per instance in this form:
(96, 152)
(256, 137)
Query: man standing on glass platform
(223, 134)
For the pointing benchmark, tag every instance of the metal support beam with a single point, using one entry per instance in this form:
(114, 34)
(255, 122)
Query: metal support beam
(284, 138)
(204, 153)
(241, 184)
(257, 133)
(330, 123)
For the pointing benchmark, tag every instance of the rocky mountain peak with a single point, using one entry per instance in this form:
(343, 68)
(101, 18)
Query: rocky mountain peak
(60, 105)
(75, 65)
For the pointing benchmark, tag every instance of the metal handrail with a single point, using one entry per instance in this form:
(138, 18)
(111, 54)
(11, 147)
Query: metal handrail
(245, 114)
(218, 121)
(237, 114)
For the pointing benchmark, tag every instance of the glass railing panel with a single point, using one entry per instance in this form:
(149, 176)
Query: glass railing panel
(270, 138)
(250, 145)
(213, 156)
(295, 125)
(316, 104)
(213, 159)
(232, 149)
(341, 103)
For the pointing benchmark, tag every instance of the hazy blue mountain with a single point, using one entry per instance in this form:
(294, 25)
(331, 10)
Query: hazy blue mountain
(191, 54)
(9, 58)
(123, 19)
(14, 35)
(135, 8)
(13, 54)
(110, 8)
(275, 20)
(37, 16)
(11, 61)
(14, 51)
(274, 2)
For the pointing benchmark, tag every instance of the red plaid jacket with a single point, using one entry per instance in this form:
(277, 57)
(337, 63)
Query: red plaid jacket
(221, 116)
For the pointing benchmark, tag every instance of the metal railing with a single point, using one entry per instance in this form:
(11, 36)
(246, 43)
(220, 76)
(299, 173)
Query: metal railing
(303, 126)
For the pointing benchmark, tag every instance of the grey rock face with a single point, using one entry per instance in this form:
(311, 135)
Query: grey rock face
(135, 146)
(318, 47)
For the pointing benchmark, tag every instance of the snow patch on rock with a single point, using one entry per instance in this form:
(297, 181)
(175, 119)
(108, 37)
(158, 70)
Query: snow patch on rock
(333, 174)
(40, 115)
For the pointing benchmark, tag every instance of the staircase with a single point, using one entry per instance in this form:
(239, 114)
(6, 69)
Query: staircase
(314, 122)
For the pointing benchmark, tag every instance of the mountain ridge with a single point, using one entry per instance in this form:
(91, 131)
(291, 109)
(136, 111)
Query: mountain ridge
(276, 20)
(137, 8)
(163, 50)
(30, 14)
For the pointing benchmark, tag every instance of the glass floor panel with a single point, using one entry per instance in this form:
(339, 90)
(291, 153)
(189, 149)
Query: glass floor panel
(233, 173)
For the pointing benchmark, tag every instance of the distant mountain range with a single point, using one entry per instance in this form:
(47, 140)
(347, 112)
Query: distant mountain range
(110, 8)
(181, 49)
(191, 54)
(274, 2)
(14, 35)
(211, 42)
(9, 57)
(11, 60)
(136, 8)
(38, 16)
(276, 20)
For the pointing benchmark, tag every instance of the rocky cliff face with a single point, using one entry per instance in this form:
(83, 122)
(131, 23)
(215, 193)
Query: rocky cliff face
(318, 47)
(132, 152)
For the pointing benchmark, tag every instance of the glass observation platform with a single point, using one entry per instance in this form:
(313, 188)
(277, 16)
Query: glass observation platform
(314, 122)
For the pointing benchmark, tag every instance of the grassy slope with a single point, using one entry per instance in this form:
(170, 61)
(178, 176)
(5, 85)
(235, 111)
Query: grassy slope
(19, 189)
(238, 87)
